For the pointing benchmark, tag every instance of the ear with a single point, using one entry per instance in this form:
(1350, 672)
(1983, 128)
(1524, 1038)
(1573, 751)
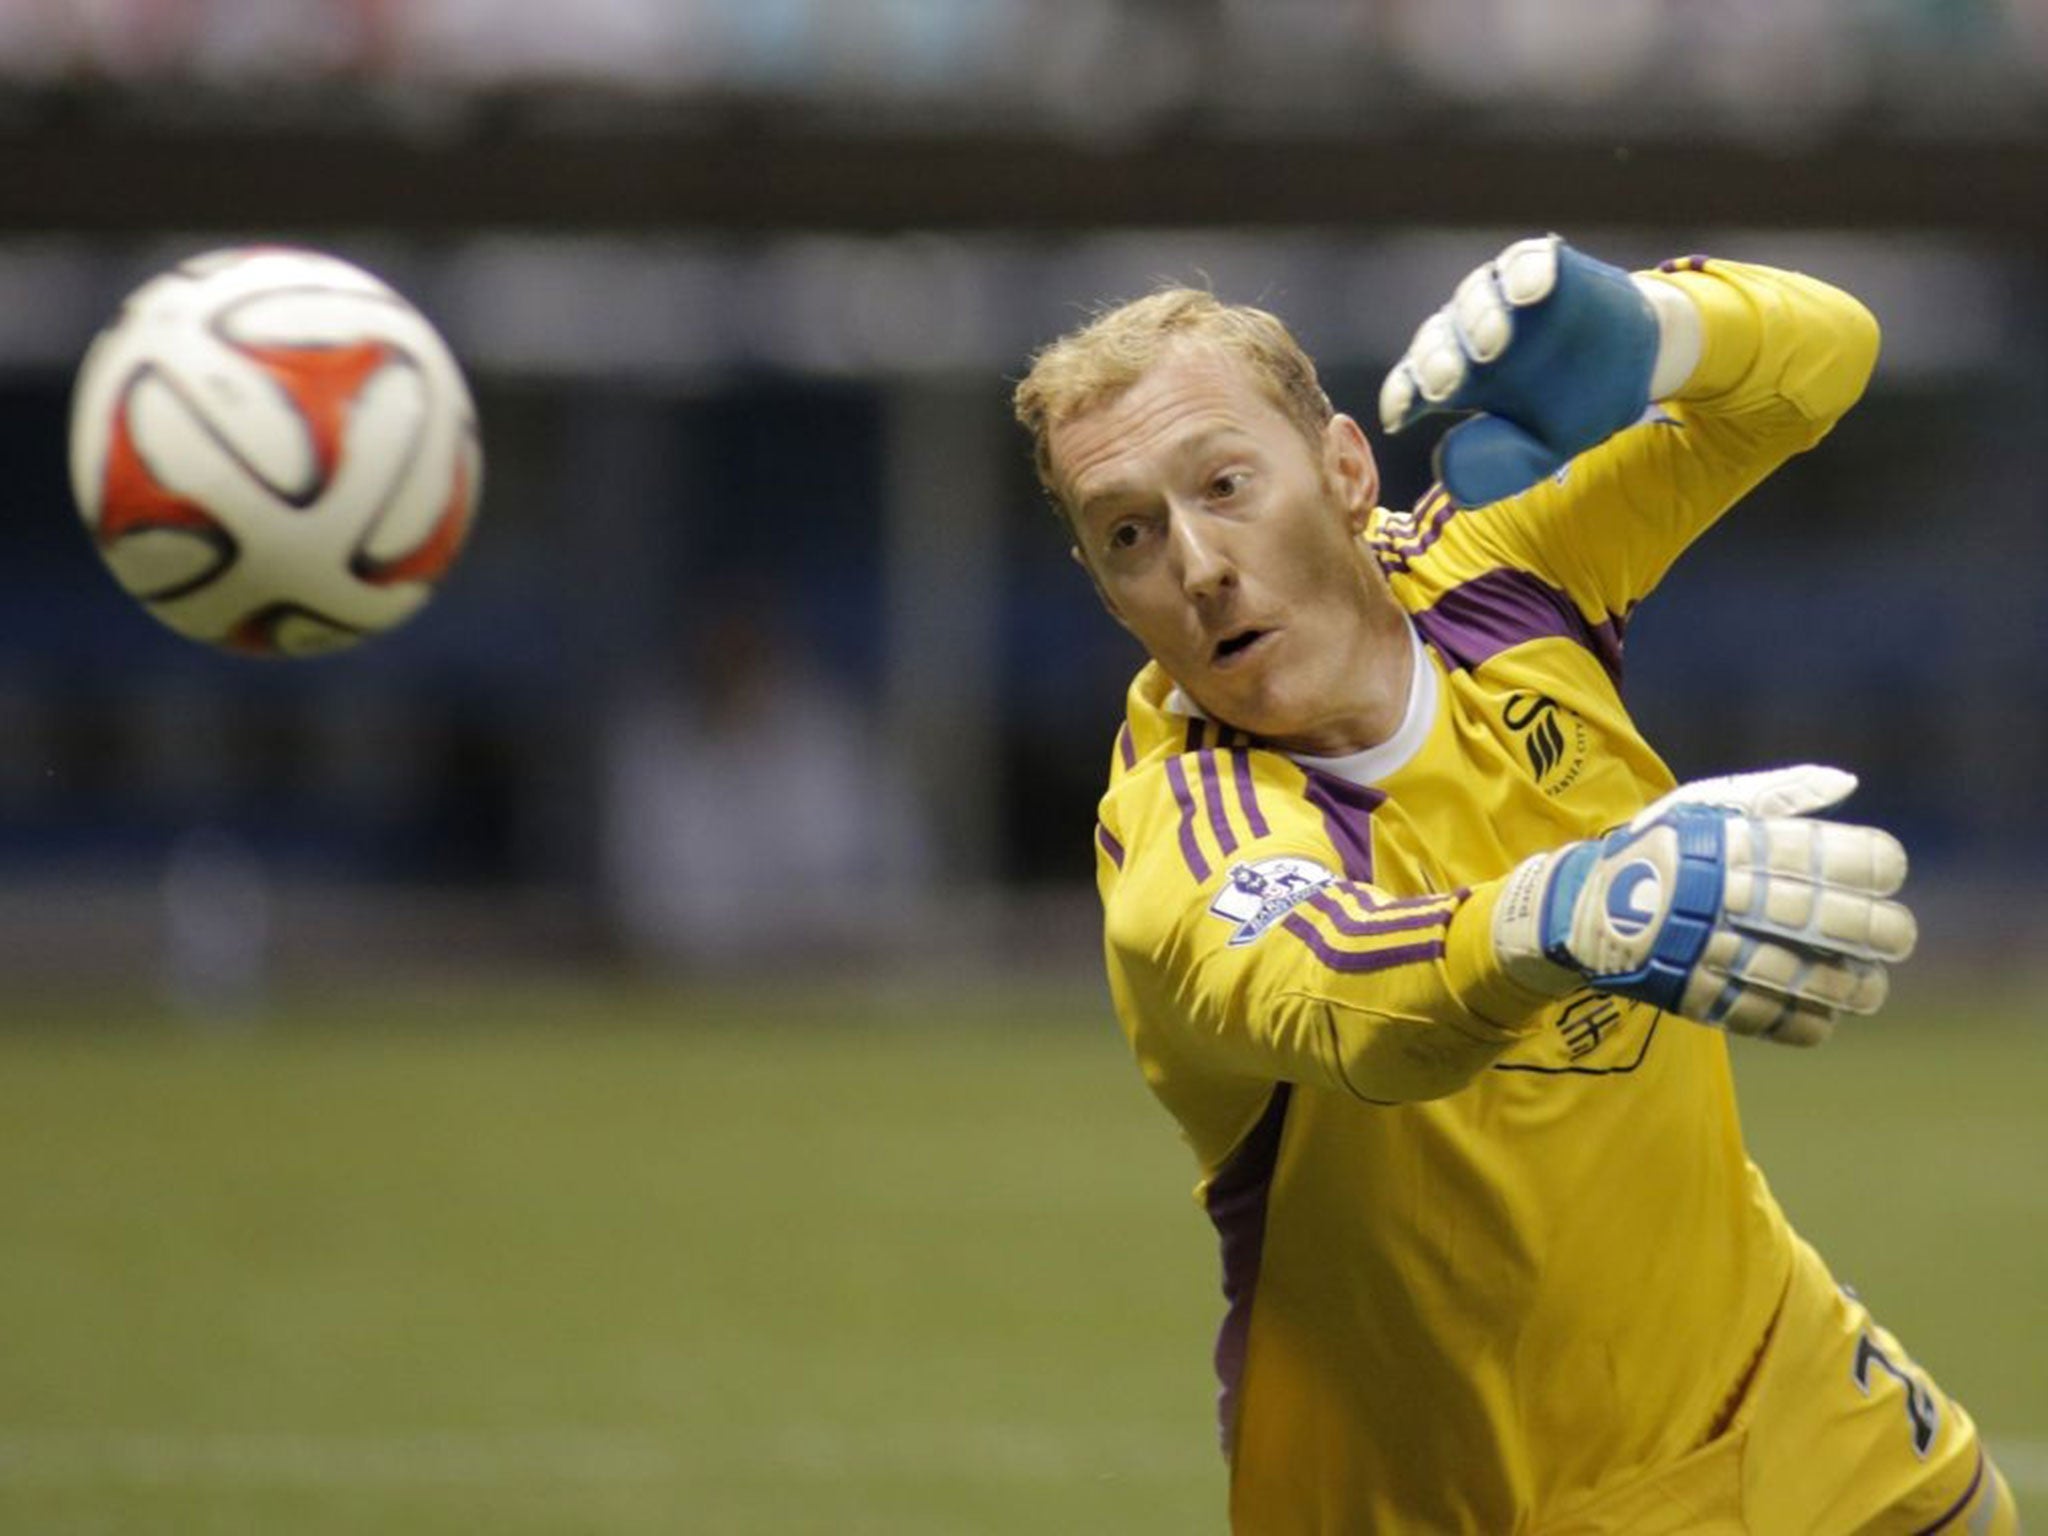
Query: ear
(1074, 554)
(1352, 471)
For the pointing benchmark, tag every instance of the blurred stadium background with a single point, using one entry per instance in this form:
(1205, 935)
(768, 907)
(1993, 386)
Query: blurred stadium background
(625, 1052)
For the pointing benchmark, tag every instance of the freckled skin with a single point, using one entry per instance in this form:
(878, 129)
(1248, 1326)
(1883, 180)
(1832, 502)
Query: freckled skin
(1203, 513)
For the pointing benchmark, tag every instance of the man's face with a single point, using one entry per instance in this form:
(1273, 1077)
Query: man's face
(1225, 541)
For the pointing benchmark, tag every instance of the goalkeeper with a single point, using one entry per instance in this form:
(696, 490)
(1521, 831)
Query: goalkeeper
(1415, 936)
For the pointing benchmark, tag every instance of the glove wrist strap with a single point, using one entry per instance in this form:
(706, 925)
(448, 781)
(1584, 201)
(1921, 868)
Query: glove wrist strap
(1680, 338)
(1518, 930)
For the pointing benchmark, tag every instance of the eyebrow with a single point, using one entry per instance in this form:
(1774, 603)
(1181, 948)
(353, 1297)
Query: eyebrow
(1115, 494)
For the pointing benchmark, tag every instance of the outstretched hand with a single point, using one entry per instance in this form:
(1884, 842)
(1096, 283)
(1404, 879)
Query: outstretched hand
(1725, 903)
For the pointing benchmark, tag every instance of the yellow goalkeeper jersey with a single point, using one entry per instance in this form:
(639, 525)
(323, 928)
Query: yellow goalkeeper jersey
(1484, 1253)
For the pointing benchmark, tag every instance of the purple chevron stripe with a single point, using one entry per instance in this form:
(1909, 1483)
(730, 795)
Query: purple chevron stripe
(1190, 850)
(1478, 619)
(1433, 513)
(1429, 511)
(1212, 796)
(1683, 264)
(1248, 793)
(1390, 917)
(1236, 1202)
(1109, 845)
(1347, 816)
(1359, 962)
(1126, 746)
(1368, 902)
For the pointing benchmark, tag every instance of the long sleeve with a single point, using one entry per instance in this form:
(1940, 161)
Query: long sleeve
(1246, 945)
(1783, 357)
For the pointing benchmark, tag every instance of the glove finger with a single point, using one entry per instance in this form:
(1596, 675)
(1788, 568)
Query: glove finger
(1819, 917)
(1770, 792)
(1800, 1025)
(1760, 1012)
(1527, 270)
(1437, 361)
(1475, 326)
(1735, 965)
(1400, 400)
(1741, 992)
(1870, 930)
(1842, 982)
(1836, 853)
(1486, 459)
(1480, 313)
(1819, 883)
(1430, 373)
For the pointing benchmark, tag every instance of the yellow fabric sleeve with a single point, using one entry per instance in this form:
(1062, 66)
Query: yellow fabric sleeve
(1388, 999)
(1783, 356)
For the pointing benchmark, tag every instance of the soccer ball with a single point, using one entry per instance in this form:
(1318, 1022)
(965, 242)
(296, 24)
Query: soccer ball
(274, 452)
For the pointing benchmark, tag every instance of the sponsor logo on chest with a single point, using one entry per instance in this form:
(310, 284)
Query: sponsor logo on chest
(1552, 739)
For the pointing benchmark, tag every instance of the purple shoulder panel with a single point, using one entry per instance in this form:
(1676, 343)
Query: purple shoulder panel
(1480, 618)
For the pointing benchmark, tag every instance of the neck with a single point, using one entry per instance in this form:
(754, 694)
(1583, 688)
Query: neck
(1378, 701)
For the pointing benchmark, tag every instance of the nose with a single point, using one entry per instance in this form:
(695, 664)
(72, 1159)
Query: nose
(1204, 563)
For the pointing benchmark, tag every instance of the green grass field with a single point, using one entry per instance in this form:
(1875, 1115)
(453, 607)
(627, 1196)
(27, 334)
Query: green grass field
(629, 1262)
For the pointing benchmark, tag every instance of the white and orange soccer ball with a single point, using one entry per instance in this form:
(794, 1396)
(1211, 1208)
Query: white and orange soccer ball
(274, 452)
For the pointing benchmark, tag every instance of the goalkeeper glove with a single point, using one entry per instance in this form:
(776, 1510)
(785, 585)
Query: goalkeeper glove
(1559, 352)
(1723, 903)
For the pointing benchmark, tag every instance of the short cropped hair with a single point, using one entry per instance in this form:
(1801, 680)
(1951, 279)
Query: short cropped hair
(1099, 361)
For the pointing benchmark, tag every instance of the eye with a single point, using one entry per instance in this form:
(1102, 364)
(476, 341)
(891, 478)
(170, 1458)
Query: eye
(1124, 535)
(1227, 484)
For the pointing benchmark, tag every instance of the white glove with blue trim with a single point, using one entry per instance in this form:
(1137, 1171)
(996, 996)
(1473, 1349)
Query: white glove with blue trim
(1723, 903)
(1558, 351)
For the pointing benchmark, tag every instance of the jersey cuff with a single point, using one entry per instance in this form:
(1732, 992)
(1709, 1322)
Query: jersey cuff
(1478, 978)
(1730, 334)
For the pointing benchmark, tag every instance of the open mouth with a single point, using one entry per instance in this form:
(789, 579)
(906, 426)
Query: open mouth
(1236, 645)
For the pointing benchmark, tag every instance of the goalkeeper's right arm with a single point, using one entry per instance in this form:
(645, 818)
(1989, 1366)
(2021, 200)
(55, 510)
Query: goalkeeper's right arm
(1722, 903)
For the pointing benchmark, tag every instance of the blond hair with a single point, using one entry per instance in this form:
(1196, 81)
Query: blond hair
(1099, 361)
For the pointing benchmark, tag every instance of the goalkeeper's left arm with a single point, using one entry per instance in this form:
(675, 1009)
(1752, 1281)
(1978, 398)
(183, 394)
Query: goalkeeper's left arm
(1554, 352)
(1621, 414)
